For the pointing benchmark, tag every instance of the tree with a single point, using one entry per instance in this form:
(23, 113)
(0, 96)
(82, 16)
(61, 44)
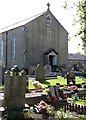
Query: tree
(80, 7)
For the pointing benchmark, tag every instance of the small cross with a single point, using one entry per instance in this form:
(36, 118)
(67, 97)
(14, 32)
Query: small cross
(48, 6)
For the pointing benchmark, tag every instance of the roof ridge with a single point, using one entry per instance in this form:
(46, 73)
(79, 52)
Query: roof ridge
(4, 28)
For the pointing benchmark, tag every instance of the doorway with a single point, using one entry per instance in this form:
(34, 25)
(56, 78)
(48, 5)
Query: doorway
(51, 57)
(52, 60)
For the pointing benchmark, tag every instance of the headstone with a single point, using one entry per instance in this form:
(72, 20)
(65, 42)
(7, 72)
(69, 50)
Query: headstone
(15, 87)
(40, 73)
(47, 69)
(70, 78)
(32, 70)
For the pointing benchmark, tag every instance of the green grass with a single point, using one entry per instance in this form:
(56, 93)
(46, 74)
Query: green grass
(80, 80)
(83, 117)
(52, 82)
(1, 86)
(59, 79)
(82, 102)
(30, 85)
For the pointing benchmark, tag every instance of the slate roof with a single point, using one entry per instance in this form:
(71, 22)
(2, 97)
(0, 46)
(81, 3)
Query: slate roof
(77, 56)
(50, 50)
(20, 23)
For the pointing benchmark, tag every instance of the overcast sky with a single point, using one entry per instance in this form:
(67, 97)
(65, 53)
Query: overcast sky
(12, 11)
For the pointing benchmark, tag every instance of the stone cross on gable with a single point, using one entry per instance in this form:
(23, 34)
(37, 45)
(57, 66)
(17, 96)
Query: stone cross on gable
(48, 4)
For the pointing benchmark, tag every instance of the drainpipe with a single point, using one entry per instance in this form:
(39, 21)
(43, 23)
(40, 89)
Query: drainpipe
(25, 52)
(6, 47)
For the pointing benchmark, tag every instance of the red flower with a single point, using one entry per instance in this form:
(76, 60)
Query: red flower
(54, 98)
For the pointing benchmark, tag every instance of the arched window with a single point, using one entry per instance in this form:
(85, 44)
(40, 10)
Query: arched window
(13, 47)
(2, 49)
(48, 22)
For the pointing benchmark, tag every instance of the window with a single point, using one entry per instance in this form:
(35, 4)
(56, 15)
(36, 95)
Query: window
(48, 22)
(13, 47)
(2, 50)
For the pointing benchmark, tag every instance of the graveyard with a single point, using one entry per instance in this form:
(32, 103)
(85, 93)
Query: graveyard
(47, 96)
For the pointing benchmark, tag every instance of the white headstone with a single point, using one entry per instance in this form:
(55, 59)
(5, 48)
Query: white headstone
(47, 69)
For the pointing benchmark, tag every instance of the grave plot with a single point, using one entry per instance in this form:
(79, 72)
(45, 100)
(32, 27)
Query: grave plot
(48, 72)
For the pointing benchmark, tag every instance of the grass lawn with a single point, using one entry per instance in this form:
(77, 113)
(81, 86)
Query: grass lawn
(52, 82)
(83, 117)
(1, 86)
(59, 79)
(82, 102)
